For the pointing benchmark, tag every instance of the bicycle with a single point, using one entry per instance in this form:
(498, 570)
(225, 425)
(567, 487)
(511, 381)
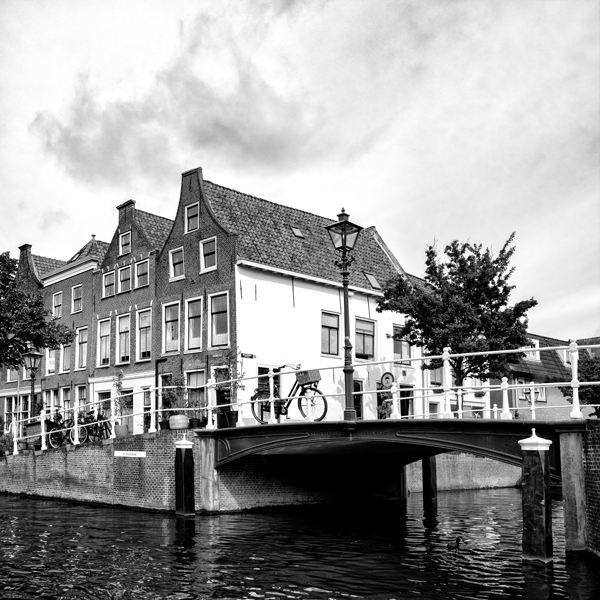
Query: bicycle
(63, 431)
(98, 427)
(304, 388)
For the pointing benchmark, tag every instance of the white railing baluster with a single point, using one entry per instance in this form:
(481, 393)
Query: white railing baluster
(532, 393)
(495, 411)
(15, 429)
(211, 404)
(459, 403)
(505, 414)
(43, 428)
(272, 418)
(446, 383)
(75, 423)
(574, 351)
(396, 409)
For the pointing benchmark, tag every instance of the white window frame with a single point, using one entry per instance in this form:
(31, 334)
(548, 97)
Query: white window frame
(187, 322)
(138, 352)
(164, 327)
(532, 351)
(338, 329)
(203, 267)
(172, 276)
(187, 208)
(73, 311)
(210, 319)
(99, 362)
(64, 399)
(402, 360)
(9, 371)
(121, 236)
(114, 284)
(56, 361)
(78, 366)
(119, 350)
(137, 280)
(62, 359)
(374, 323)
(130, 281)
(521, 391)
(54, 305)
(186, 375)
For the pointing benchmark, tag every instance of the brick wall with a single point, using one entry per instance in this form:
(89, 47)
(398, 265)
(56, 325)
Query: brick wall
(591, 458)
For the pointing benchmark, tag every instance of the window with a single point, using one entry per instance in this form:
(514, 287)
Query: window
(12, 374)
(171, 328)
(65, 358)
(144, 338)
(524, 393)
(330, 333)
(82, 342)
(125, 243)
(436, 377)
(76, 294)
(66, 398)
(565, 356)
(108, 284)
(123, 339)
(191, 217)
(373, 281)
(104, 342)
(141, 274)
(219, 320)
(297, 232)
(176, 263)
(365, 339)
(195, 382)
(57, 305)
(125, 279)
(82, 396)
(193, 333)
(401, 349)
(51, 362)
(533, 354)
(358, 397)
(208, 255)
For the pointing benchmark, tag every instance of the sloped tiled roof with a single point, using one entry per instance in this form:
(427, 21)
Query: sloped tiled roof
(265, 236)
(550, 367)
(94, 249)
(44, 265)
(156, 228)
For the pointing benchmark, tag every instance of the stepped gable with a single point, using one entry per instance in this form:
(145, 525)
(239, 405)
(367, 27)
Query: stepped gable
(549, 368)
(44, 265)
(156, 228)
(266, 237)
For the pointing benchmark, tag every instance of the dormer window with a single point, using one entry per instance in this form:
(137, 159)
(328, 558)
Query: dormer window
(373, 281)
(192, 217)
(297, 232)
(125, 243)
(532, 350)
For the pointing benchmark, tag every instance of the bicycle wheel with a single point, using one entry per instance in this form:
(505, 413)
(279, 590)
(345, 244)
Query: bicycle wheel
(83, 434)
(312, 397)
(55, 438)
(261, 407)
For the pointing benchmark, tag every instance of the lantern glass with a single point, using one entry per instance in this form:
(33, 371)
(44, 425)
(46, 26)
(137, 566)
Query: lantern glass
(343, 233)
(32, 359)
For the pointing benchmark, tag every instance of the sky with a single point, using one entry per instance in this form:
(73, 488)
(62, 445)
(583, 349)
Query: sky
(432, 120)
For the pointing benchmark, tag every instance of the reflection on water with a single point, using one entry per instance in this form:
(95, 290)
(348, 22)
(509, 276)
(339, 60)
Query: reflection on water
(57, 550)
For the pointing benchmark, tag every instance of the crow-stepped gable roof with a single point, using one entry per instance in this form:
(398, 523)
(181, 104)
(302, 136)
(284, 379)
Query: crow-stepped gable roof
(294, 240)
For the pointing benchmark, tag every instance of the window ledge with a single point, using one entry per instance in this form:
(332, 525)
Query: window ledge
(121, 364)
(74, 312)
(80, 369)
(143, 360)
(102, 366)
(139, 287)
(193, 351)
(124, 292)
(107, 296)
(178, 278)
(208, 270)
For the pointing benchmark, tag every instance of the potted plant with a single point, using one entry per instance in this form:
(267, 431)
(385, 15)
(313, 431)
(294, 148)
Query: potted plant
(122, 403)
(6, 444)
(174, 397)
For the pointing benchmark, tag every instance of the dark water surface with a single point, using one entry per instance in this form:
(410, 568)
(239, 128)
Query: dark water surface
(52, 549)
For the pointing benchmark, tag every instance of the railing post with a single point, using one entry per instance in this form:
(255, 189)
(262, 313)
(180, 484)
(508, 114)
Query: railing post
(15, 429)
(272, 418)
(446, 383)
(43, 428)
(240, 421)
(76, 422)
(113, 435)
(459, 403)
(576, 412)
(495, 411)
(505, 414)
(396, 414)
(532, 392)
(211, 403)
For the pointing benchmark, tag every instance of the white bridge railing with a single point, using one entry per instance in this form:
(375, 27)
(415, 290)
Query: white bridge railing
(209, 408)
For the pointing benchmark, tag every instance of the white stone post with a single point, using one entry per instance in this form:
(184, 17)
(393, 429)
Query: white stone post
(495, 411)
(396, 414)
(505, 414)
(532, 393)
(113, 435)
(459, 403)
(15, 429)
(211, 404)
(272, 418)
(446, 378)
(76, 422)
(153, 409)
(43, 427)
(576, 412)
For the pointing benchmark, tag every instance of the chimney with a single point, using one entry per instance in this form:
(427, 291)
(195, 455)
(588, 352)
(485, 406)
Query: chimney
(126, 211)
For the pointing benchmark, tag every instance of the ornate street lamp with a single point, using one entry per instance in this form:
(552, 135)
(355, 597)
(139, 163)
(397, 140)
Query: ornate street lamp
(344, 235)
(32, 360)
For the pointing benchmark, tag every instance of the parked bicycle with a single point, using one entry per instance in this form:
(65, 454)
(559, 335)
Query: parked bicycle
(310, 398)
(63, 431)
(98, 427)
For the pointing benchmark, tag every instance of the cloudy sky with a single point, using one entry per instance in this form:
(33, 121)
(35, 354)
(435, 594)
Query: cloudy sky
(433, 120)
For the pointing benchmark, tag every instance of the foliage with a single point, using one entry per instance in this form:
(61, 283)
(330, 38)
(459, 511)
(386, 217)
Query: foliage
(6, 442)
(462, 305)
(174, 395)
(122, 401)
(24, 321)
(588, 369)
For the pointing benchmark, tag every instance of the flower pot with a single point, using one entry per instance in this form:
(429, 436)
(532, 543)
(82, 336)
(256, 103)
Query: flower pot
(195, 423)
(121, 431)
(164, 424)
(179, 422)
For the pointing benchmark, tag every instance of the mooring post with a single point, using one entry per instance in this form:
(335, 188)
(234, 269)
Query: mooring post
(429, 471)
(573, 490)
(537, 513)
(209, 476)
(184, 478)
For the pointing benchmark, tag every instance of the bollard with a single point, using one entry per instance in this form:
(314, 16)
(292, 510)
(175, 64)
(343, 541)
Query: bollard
(272, 418)
(184, 479)
(505, 414)
(429, 474)
(537, 510)
(396, 414)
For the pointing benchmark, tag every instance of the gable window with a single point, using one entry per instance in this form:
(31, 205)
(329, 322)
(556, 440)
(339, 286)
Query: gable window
(193, 337)
(176, 263)
(144, 339)
(219, 320)
(104, 342)
(125, 243)
(82, 342)
(171, 328)
(76, 296)
(108, 284)
(141, 274)
(125, 279)
(191, 217)
(57, 305)
(365, 339)
(123, 339)
(330, 333)
(50, 362)
(208, 255)
(65, 358)
(402, 350)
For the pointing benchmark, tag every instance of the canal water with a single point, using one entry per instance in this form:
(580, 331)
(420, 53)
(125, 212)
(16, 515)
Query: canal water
(59, 550)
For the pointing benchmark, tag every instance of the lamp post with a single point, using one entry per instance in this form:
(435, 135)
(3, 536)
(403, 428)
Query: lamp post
(344, 235)
(32, 360)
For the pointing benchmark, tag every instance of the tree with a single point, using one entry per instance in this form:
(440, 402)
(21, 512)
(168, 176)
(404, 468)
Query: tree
(463, 305)
(24, 322)
(588, 369)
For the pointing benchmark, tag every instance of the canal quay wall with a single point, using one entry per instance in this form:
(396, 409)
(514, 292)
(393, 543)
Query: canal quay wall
(591, 461)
